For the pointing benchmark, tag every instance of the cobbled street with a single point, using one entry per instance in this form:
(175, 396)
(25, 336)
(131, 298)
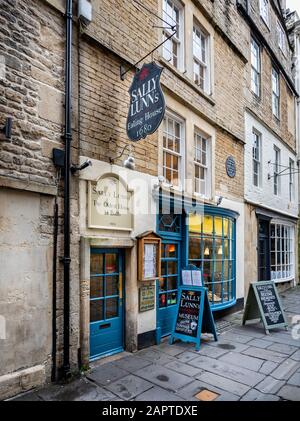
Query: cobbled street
(245, 364)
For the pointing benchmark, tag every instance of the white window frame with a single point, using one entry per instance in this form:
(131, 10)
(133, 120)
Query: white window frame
(291, 180)
(256, 159)
(277, 166)
(275, 93)
(178, 38)
(264, 7)
(205, 64)
(281, 37)
(170, 116)
(282, 252)
(199, 152)
(255, 68)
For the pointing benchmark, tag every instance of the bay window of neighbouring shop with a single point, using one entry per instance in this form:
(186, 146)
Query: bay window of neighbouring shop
(282, 252)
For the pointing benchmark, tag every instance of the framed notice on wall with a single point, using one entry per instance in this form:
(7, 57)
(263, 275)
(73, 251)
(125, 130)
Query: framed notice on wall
(149, 254)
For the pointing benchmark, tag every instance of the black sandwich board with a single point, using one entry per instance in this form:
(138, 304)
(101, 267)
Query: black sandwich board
(193, 316)
(263, 302)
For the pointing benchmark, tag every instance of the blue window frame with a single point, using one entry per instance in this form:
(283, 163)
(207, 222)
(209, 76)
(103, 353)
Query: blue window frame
(211, 247)
(170, 273)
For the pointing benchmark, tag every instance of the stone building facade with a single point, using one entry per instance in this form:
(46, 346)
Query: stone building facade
(271, 184)
(187, 188)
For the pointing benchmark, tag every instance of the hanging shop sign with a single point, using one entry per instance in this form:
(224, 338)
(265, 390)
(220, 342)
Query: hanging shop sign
(109, 204)
(193, 316)
(147, 103)
(146, 298)
(263, 302)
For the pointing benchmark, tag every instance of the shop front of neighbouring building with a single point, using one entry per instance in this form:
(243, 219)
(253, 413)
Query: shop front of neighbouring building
(129, 204)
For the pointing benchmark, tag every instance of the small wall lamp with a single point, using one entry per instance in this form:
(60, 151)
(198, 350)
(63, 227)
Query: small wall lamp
(129, 162)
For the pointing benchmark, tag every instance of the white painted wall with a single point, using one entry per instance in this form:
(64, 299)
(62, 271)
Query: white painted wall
(264, 195)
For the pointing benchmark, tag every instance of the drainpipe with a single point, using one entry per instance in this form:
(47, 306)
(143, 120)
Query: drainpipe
(68, 138)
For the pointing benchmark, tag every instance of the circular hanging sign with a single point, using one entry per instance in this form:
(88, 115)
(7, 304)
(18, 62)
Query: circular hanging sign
(230, 167)
(147, 104)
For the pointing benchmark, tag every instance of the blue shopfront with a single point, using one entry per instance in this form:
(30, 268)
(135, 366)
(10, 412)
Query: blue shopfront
(204, 236)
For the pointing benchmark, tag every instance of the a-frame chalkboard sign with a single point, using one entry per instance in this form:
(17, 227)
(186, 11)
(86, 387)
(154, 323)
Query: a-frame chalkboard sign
(193, 316)
(263, 302)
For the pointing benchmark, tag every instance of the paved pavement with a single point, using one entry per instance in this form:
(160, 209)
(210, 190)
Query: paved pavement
(245, 364)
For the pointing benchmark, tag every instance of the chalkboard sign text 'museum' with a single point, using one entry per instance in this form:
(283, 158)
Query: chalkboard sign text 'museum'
(147, 103)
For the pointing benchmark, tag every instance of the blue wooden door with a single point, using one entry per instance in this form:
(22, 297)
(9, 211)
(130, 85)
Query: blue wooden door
(168, 287)
(106, 303)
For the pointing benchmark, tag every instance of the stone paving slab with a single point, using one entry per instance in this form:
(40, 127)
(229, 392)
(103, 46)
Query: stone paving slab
(132, 363)
(188, 392)
(295, 380)
(236, 337)
(259, 343)
(229, 346)
(187, 356)
(27, 397)
(255, 395)
(210, 351)
(182, 368)
(233, 372)
(78, 390)
(157, 394)
(285, 370)
(296, 356)
(270, 385)
(164, 377)
(268, 367)
(283, 348)
(241, 360)
(171, 350)
(223, 383)
(155, 356)
(248, 330)
(106, 374)
(265, 354)
(290, 393)
(129, 387)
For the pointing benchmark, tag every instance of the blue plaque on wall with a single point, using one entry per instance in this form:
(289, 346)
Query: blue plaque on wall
(147, 103)
(230, 167)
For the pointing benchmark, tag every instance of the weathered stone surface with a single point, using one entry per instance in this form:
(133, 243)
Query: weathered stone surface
(283, 348)
(265, 354)
(131, 363)
(164, 377)
(182, 368)
(187, 356)
(188, 392)
(296, 356)
(106, 374)
(242, 361)
(295, 380)
(78, 390)
(259, 343)
(255, 395)
(290, 393)
(157, 394)
(227, 370)
(129, 387)
(268, 367)
(223, 383)
(285, 369)
(153, 355)
(270, 385)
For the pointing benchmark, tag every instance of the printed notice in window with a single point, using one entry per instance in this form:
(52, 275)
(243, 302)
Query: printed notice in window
(149, 261)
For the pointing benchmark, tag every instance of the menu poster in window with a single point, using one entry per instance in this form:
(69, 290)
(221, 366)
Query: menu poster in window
(186, 277)
(149, 261)
(197, 278)
(263, 301)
